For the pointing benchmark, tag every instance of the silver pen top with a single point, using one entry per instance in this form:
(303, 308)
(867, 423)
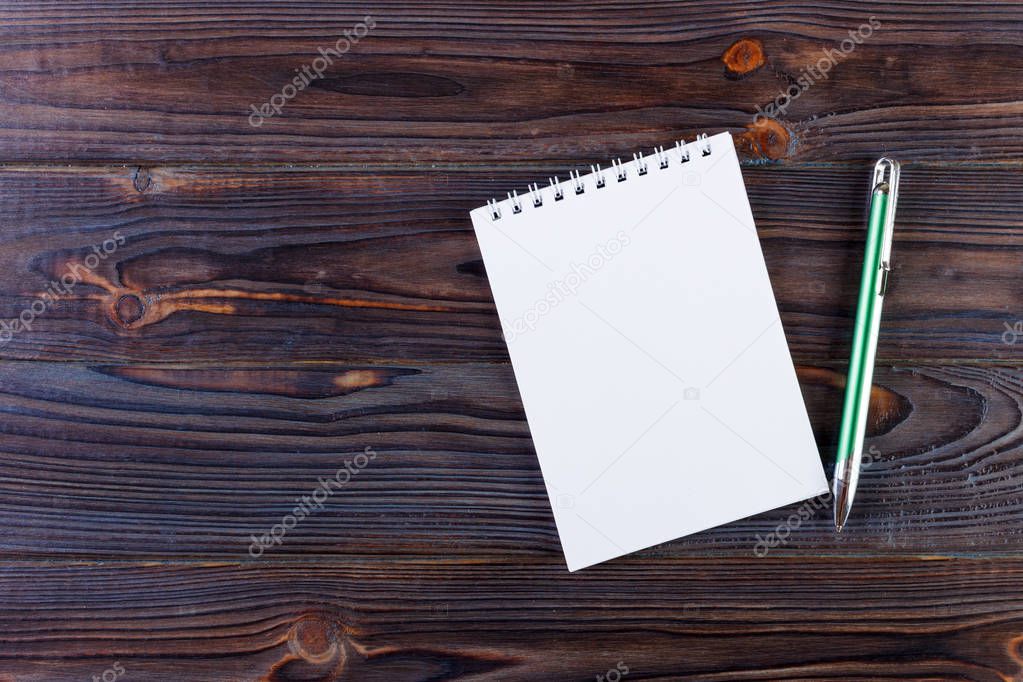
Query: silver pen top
(886, 179)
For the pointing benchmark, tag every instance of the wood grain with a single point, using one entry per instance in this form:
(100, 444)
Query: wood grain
(281, 297)
(180, 461)
(395, 621)
(113, 81)
(285, 265)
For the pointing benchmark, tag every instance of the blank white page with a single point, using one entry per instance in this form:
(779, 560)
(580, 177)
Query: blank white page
(648, 350)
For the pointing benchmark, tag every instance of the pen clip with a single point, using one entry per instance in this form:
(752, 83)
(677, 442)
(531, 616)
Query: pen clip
(889, 168)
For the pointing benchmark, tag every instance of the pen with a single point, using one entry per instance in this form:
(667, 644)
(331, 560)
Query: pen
(877, 266)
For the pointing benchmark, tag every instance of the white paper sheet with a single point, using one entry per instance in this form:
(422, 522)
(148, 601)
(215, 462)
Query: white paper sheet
(649, 354)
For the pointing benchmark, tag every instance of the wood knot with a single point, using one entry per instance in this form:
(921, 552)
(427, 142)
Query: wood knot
(887, 408)
(141, 179)
(129, 309)
(766, 138)
(1016, 649)
(743, 57)
(315, 640)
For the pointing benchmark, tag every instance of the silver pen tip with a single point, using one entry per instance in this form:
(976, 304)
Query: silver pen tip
(842, 504)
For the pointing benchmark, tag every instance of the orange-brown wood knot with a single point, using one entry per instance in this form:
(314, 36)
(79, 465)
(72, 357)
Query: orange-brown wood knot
(887, 408)
(315, 641)
(1015, 649)
(129, 308)
(743, 57)
(316, 651)
(766, 138)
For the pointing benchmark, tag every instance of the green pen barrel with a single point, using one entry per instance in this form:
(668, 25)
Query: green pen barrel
(865, 334)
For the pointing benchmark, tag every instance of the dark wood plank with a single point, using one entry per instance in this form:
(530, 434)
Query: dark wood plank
(488, 81)
(395, 621)
(260, 326)
(162, 460)
(281, 265)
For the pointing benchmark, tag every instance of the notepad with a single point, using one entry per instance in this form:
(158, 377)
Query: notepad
(647, 345)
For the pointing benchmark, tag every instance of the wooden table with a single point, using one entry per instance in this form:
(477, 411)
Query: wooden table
(278, 298)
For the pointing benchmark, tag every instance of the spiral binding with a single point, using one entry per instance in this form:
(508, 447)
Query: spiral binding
(619, 172)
